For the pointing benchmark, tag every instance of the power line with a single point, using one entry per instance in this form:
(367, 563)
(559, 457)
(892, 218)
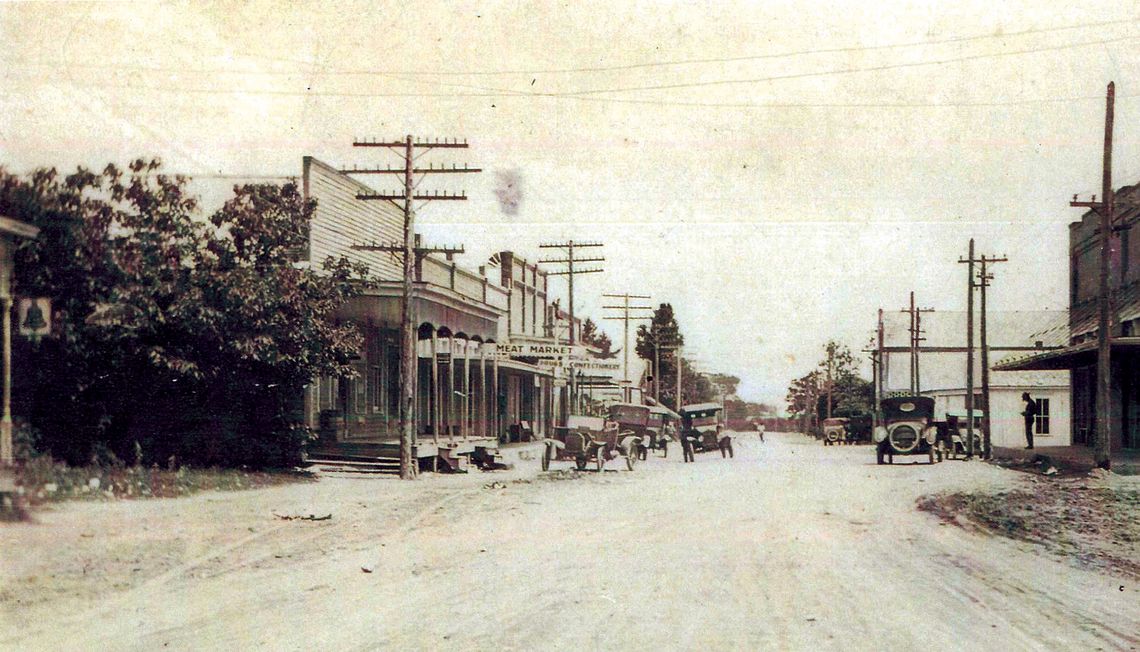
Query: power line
(574, 70)
(843, 71)
(584, 95)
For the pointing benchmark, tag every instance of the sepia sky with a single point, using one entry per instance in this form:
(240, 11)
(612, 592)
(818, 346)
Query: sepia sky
(775, 170)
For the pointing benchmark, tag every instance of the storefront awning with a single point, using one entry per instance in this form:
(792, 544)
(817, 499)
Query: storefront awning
(1070, 357)
(517, 365)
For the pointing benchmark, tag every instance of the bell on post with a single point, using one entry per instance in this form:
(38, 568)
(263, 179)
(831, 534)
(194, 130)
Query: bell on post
(34, 318)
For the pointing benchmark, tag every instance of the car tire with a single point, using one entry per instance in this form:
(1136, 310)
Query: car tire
(546, 458)
(580, 462)
(600, 459)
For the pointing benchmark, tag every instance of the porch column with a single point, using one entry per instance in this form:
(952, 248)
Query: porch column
(495, 398)
(448, 398)
(481, 404)
(7, 450)
(464, 403)
(435, 414)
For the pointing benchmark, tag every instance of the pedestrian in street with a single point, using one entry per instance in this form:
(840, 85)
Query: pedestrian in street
(760, 430)
(724, 442)
(1030, 413)
(687, 444)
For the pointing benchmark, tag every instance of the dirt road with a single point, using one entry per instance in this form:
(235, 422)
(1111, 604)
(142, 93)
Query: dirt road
(790, 545)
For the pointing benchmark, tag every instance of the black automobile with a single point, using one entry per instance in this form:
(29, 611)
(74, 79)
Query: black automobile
(908, 428)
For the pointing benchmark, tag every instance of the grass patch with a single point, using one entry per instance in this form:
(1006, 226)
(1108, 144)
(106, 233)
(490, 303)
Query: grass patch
(41, 480)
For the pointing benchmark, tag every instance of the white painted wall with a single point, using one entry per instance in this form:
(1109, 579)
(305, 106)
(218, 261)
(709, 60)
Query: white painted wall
(1005, 417)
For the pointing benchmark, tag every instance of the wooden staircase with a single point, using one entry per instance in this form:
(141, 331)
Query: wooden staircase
(356, 458)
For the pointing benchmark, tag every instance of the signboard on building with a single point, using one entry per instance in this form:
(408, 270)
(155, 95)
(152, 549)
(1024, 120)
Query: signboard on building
(545, 351)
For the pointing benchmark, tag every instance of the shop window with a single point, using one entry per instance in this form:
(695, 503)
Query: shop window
(327, 393)
(1041, 421)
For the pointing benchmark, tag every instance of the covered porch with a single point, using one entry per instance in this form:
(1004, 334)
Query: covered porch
(1124, 389)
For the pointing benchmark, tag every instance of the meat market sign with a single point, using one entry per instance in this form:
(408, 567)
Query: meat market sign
(544, 351)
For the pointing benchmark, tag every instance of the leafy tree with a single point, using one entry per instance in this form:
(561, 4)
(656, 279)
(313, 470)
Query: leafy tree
(834, 388)
(175, 334)
(661, 333)
(593, 336)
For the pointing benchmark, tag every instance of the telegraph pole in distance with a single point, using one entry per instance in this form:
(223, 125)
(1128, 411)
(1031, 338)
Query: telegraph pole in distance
(569, 272)
(915, 330)
(983, 282)
(626, 308)
(1106, 208)
(405, 200)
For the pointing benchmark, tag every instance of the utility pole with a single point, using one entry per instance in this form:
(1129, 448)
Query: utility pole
(915, 330)
(983, 282)
(830, 376)
(569, 272)
(405, 200)
(664, 338)
(680, 361)
(1106, 208)
(626, 308)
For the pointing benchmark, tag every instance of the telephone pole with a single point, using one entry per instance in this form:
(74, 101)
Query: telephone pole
(625, 317)
(915, 330)
(569, 272)
(1106, 208)
(984, 279)
(405, 200)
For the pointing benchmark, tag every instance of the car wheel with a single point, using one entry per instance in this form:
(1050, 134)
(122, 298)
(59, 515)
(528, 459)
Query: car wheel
(580, 462)
(630, 460)
(546, 458)
(930, 454)
(600, 459)
(879, 455)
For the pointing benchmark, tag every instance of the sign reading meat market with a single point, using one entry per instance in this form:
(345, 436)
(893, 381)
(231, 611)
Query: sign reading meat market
(536, 350)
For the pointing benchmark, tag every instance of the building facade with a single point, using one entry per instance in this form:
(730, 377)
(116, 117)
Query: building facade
(1080, 353)
(457, 313)
(941, 371)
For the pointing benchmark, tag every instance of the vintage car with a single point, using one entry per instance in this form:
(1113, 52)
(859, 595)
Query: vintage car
(908, 428)
(835, 431)
(662, 426)
(960, 434)
(638, 419)
(587, 438)
(702, 431)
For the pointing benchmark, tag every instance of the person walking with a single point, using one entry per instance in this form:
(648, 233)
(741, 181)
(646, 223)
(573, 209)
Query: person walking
(760, 431)
(1030, 413)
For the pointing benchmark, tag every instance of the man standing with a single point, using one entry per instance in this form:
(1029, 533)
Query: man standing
(760, 430)
(1030, 413)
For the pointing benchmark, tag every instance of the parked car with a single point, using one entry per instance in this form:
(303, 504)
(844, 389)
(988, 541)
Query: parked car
(835, 431)
(588, 438)
(960, 435)
(645, 421)
(702, 431)
(908, 428)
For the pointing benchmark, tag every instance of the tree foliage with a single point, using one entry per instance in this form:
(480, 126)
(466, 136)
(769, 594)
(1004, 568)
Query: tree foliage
(661, 333)
(177, 334)
(593, 336)
(850, 394)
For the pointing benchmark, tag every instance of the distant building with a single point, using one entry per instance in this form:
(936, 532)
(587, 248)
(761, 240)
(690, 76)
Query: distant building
(942, 370)
(1080, 353)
